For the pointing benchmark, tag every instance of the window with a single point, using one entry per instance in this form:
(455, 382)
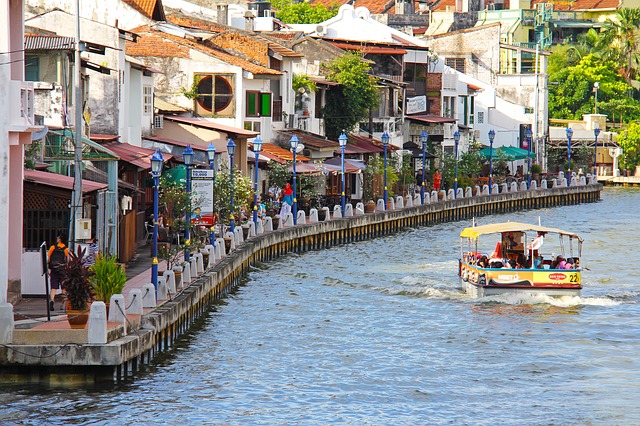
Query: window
(456, 63)
(32, 68)
(258, 104)
(148, 99)
(480, 117)
(215, 95)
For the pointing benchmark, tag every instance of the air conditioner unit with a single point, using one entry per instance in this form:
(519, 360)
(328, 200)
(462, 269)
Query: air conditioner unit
(293, 121)
(158, 121)
(321, 30)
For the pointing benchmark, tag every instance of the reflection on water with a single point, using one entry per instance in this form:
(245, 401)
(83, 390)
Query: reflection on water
(379, 332)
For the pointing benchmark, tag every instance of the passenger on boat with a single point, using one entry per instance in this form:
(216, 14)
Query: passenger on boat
(569, 263)
(561, 263)
(555, 264)
(483, 262)
(538, 263)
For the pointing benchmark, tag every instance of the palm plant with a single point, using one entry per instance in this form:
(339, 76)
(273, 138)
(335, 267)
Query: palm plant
(75, 281)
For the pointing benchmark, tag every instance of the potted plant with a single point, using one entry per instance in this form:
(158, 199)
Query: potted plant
(536, 169)
(108, 278)
(77, 285)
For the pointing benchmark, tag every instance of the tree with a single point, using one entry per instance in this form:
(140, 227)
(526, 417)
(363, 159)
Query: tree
(293, 12)
(620, 41)
(349, 103)
(571, 94)
(629, 141)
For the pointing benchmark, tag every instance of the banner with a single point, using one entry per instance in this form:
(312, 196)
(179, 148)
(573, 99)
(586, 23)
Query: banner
(202, 189)
(417, 104)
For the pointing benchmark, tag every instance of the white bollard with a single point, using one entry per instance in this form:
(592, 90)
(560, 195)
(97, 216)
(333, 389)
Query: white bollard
(380, 207)
(392, 204)
(238, 235)
(162, 288)
(268, 224)
(148, 296)
(399, 202)
(313, 216)
(485, 189)
(133, 299)
(231, 236)
(178, 277)
(409, 202)
(212, 254)
(534, 185)
(417, 200)
(514, 187)
(97, 327)
(468, 192)
(495, 190)
(449, 195)
(337, 212)
(194, 268)
(434, 196)
(460, 193)
(199, 263)
(348, 210)
(222, 248)
(6, 323)
(170, 279)
(118, 310)
(186, 274)
(563, 183)
(359, 209)
(260, 227)
(302, 218)
(327, 214)
(543, 184)
(523, 186)
(504, 188)
(252, 229)
(287, 221)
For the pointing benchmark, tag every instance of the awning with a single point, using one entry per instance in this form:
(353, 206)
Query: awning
(205, 124)
(510, 152)
(279, 154)
(350, 165)
(307, 169)
(61, 181)
(494, 228)
(368, 49)
(430, 118)
(195, 147)
(136, 155)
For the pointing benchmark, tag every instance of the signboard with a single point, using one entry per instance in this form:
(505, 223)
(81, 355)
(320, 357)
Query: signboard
(202, 189)
(417, 104)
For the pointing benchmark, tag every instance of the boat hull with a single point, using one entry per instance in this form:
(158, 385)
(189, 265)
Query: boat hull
(483, 282)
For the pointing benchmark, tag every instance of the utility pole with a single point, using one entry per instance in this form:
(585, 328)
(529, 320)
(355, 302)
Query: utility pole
(76, 201)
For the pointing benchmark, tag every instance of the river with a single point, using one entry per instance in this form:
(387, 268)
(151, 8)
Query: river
(378, 333)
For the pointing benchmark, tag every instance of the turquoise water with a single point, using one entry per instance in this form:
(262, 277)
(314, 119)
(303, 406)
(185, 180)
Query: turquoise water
(379, 333)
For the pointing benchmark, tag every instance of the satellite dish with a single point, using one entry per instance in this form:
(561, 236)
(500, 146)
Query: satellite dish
(36, 136)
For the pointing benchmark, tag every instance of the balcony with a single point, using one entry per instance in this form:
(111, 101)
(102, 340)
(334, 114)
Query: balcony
(21, 111)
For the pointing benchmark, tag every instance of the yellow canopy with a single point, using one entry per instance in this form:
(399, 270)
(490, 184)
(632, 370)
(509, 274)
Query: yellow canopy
(494, 228)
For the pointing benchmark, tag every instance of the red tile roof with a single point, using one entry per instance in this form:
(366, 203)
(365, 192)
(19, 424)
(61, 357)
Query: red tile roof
(159, 44)
(279, 154)
(152, 9)
(212, 125)
(135, 155)
(195, 146)
(61, 181)
(369, 49)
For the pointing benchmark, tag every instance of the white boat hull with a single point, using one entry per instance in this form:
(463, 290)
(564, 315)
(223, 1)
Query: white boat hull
(477, 291)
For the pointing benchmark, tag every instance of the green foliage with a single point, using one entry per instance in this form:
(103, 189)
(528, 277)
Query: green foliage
(75, 281)
(350, 102)
(620, 41)
(192, 91)
(242, 194)
(629, 141)
(303, 81)
(573, 96)
(373, 176)
(293, 12)
(32, 154)
(536, 168)
(108, 278)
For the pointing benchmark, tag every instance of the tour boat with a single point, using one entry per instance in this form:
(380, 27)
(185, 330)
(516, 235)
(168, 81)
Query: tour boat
(526, 259)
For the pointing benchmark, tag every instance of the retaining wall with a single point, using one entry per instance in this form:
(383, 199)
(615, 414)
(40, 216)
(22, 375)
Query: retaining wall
(159, 328)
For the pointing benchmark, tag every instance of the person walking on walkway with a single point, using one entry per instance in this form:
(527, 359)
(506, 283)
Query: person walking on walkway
(58, 256)
(437, 179)
(287, 200)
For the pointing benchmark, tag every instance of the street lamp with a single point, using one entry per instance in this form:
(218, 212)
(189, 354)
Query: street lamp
(257, 147)
(187, 156)
(342, 140)
(492, 135)
(456, 139)
(528, 134)
(211, 156)
(596, 132)
(294, 148)
(156, 169)
(424, 137)
(231, 149)
(385, 144)
(569, 135)
(596, 86)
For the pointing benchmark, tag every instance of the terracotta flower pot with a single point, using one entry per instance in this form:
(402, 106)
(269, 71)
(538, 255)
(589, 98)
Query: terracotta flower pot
(77, 319)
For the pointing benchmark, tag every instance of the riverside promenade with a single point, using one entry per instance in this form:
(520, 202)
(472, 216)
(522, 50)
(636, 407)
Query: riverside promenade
(49, 352)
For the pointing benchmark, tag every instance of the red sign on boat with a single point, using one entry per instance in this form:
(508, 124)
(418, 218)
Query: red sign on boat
(557, 277)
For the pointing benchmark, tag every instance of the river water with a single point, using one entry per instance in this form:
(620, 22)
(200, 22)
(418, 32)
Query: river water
(378, 333)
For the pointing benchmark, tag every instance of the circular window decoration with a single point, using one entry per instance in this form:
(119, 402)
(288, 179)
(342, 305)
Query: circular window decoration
(214, 92)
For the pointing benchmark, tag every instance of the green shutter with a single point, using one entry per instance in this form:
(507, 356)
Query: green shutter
(265, 104)
(251, 104)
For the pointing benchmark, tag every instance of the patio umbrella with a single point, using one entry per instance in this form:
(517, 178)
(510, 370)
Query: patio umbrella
(518, 153)
(306, 169)
(177, 174)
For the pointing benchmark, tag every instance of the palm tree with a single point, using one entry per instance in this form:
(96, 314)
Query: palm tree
(620, 41)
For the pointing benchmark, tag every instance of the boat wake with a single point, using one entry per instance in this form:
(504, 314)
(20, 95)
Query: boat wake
(539, 299)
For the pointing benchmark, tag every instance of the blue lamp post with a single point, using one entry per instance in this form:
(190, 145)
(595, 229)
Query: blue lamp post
(257, 147)
(424, 138)
(596, 132)
(529, 136)
(211, 156)
(456, 139)
(492, 135)
(294, 148)
(231, 150)
(187, 156)
(342, 140)
(156, 169)
(569, 135)
(385, 144)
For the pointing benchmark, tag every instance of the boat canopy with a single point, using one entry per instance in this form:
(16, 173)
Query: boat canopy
(494, 228)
